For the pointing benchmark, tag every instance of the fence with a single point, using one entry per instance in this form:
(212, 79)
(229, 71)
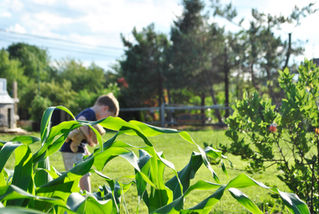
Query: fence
(168, 114)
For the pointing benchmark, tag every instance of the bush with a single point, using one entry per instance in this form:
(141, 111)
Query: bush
(286, 135)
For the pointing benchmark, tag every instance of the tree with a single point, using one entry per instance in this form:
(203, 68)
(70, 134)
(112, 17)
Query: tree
(143, 66)
(267, 52)
(34, 60)
(11, 70)
(197, 56)
(81, 77)
(35, 65)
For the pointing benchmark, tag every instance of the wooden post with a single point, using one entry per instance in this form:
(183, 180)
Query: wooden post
(16, 100)
(162, 114)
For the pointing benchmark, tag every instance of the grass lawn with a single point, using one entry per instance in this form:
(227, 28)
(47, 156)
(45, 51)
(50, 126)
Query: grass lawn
(178, 151)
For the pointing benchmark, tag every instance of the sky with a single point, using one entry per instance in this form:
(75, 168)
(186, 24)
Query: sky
(89, 30)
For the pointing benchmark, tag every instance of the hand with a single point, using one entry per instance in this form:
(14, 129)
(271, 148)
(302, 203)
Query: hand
(86, 151)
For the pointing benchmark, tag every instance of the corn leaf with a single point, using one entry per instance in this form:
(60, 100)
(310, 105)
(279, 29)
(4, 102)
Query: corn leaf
(244, 200)
(6, 152)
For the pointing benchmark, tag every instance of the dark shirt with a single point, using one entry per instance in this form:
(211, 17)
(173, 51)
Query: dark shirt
(89, 115)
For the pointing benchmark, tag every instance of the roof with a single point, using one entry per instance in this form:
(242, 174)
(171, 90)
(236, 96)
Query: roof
(6, 99)
(4, 96)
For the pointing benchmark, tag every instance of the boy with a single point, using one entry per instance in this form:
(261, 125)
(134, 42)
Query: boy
(105, 105)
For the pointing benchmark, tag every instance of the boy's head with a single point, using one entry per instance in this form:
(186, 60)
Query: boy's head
(109, 101)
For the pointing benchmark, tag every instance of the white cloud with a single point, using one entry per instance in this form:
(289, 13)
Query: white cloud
(122, 16)
(5, 14)
(14, 5)
(17, 28)
(44, 2)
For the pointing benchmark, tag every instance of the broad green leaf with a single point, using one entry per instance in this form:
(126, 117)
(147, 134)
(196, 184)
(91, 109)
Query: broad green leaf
(177, 205)
(46, 121)
(26, 140)
(41, 177)
(207, 164)
(202, 185)
(61, 129)
(98, 137)
(6, 152)
(244, 200)
(223, 167)
(207, 204)
(91, 205)
(173, 207)
(3, 177)
(242, 181)
(19, 210)
(150, 130)
(185, 175)
(75, 200)
(45, 164)
(13, 193)
(23, 171)
(69, 181)
(141, 184)
(213, 153)
(102, 158)
(153, 168)
(293, 202)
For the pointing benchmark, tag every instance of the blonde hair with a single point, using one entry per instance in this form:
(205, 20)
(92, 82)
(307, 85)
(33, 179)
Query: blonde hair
(110, 101)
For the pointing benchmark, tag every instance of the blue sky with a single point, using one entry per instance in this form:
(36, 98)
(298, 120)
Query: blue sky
(89, 30)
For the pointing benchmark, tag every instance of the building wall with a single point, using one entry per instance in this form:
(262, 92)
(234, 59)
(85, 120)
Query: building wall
(7, 116)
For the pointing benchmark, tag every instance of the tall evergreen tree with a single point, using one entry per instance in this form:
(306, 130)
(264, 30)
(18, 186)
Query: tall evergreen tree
(143, 66)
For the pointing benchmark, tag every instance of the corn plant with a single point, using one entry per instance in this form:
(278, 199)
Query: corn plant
(34, 186)
(285, 135)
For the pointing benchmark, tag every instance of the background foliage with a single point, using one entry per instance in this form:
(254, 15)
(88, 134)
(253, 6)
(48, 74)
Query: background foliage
(197, 63)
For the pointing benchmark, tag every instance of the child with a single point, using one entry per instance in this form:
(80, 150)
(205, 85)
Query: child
(105, 105)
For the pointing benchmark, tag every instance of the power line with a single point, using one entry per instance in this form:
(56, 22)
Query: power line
(70, 49)
(57, 39)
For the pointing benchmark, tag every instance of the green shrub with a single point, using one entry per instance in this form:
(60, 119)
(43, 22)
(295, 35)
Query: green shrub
(285, 135)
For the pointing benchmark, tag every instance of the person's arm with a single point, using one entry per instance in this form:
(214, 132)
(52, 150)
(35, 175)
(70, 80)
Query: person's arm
(86, 132)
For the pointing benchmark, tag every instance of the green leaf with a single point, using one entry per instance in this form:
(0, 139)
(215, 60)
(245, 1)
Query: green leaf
(46, 121)
(52, 143)
(102, 158)
(173, 207)
(202, 185)
(185, 175)
(244, 200)
(19, 210)
(293, 202)
(6, 152)
(12, 193)
(242, 181)
(206, 205)
(23, 171)
(75, 200)
(26, 140)
(91, 205)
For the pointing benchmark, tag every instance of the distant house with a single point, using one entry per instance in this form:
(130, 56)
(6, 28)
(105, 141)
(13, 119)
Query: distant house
(7, 115)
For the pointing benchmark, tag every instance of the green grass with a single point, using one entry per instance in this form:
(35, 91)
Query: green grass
(178, 151)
